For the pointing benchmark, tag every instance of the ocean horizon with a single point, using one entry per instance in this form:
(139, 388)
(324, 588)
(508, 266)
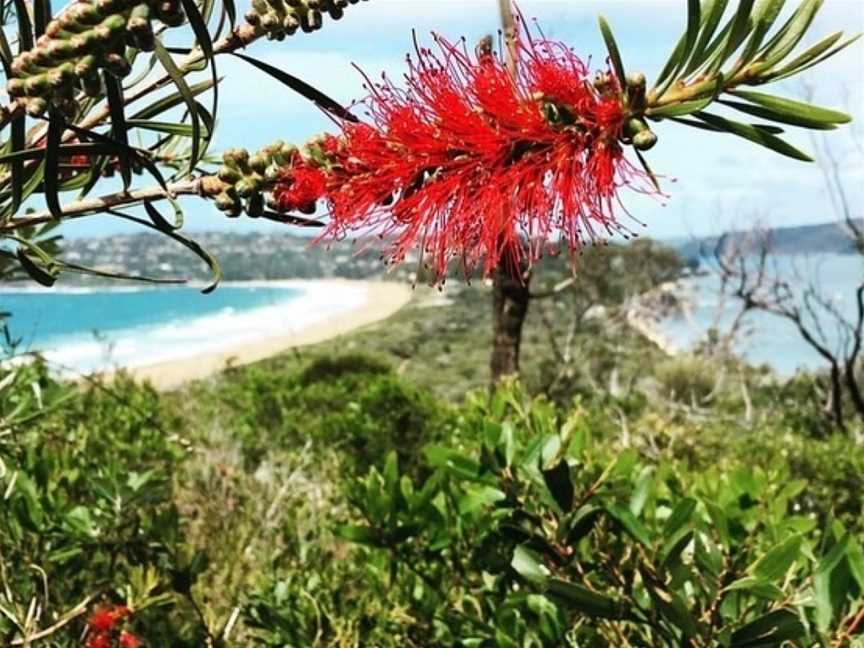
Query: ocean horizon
(86, 330)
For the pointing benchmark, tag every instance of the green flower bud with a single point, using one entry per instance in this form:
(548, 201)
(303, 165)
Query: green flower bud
(272, 173)
(253, 18)
(85, 66)
(244, 188)
(62, 76)
(36, 86)
(85, 14)
(16, 88)
(117, 65)
(36, 106)
(61, 50)
(311, 21)
(644, 141)
(225, 203)
(228, 174)
(172, 18)
(84, 43)
(258, 163)
(237, 158)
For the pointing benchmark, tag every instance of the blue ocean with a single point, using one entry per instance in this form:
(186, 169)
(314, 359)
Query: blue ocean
(766, 338)
(80, 331)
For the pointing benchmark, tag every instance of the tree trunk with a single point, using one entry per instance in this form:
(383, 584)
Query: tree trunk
(510, 299)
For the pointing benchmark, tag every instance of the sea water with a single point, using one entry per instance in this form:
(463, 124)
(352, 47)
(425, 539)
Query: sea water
(766, 338)
(79, 331)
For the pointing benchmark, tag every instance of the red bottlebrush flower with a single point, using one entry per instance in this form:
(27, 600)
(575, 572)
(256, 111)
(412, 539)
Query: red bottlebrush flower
(129, 640)
(299, 187)
(104, 619)
(469, 161)
(98, 641)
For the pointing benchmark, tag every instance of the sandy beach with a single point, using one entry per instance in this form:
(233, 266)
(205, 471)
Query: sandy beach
(377, 301)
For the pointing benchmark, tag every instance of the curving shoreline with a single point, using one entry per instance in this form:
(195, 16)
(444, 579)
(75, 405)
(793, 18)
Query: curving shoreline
(379, 301)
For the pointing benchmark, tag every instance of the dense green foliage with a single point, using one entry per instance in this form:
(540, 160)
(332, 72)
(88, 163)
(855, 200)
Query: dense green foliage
(372, 498)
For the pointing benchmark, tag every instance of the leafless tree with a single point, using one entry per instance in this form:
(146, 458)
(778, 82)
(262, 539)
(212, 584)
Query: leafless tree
(749, 271)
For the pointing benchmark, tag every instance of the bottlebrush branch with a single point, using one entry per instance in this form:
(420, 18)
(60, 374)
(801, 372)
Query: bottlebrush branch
(476, 162)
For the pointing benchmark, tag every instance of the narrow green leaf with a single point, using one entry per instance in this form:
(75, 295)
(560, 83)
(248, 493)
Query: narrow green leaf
(764, 16)
(160, 221)
(673, 608)
(18, 140)
(790, 34)
(188, 98)
(183, 130)
(36, 272)
(648, 170)
(230, 11)
(25, 29)
(685, 48)
(194, 246)
(114, 96)
(680, 109)
(41, 16)
(301, 87)
(774, 564)
(769, 630)
(712, 13)
(171, 101)
(740, 28)
(681, 515)
(359, 534)
(526, 563)
(821, 59)
(560, 485)
(794, 108)
(759, 135)
(199, 26)
(808, 55)
(757, 587)
(6, 56)
(612, 48)
(290, 219)
(630, 524)
(584, 600)
(56, 126)
(667, 73)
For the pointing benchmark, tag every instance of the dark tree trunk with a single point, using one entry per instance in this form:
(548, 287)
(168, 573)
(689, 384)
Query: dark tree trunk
(510, 299)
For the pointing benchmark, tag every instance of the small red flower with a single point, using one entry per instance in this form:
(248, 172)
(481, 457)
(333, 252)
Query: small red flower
(300, 187)
(104, 619)
(129, 640)
(98, 641)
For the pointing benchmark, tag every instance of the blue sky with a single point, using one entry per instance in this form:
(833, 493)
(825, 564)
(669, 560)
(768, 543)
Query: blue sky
(720, 181)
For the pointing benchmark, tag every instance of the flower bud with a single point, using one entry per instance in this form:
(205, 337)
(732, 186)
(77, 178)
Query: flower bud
(236, 157)
(228, 175)
(85, 66)
(60, 50)
(62, 76)
(644, 141)
(225, 202)
(36, 106)
(311, 21)
(16, 88)
(84, 43)
(258, 163)
(37, 85)
(244, 188)
(116, 65)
